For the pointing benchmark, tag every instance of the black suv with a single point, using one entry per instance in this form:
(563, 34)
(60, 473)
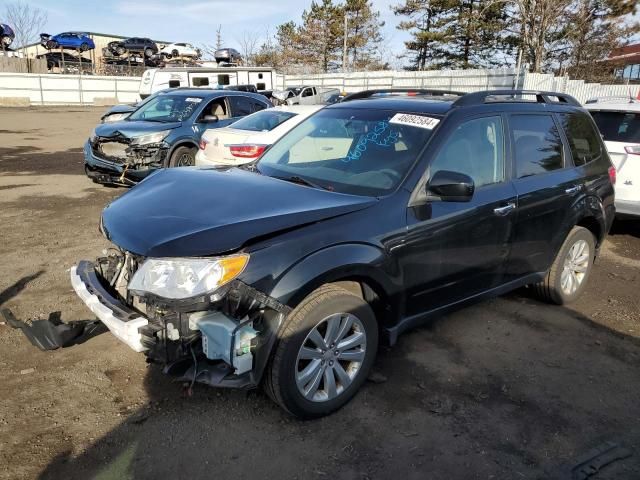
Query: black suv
(143, 46)
(368, 218)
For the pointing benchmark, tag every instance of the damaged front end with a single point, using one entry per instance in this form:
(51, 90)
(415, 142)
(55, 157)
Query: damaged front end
(122, 160)
(221, 338)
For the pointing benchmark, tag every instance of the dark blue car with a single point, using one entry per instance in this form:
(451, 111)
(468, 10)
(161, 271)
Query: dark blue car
(163, 132)
(74, 40)
(7, 35)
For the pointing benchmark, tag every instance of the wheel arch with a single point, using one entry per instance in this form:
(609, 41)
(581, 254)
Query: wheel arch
(185, 142)
(362, 269)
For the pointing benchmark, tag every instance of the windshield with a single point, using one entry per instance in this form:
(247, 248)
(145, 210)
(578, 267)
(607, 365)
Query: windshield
(360, 152)
(167, 108)
(618, 126)
(263, 121)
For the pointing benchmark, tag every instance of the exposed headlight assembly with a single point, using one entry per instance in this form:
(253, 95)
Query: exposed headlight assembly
(116, 117)
(182, 278)
(156, 137)
(93, 136)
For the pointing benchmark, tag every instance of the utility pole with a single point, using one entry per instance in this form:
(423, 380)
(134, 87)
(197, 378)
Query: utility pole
(344, 43)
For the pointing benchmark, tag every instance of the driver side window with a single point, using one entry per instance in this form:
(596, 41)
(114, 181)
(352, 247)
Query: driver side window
(475, 148)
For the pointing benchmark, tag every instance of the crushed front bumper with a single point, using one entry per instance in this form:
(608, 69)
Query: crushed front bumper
(109, 172)
(206, 343)
(122, 321)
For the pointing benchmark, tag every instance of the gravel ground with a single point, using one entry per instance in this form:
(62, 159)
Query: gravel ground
(507, 389)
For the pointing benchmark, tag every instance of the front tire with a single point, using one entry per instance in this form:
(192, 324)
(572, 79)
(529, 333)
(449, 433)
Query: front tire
(84, 47)
(183, 157)
(567, 278)
(326, 349)
(148, 53)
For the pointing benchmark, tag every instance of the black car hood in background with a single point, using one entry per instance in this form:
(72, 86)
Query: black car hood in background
(183, 212)
(133, 128)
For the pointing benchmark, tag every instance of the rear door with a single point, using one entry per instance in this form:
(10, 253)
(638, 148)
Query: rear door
(455, 250)
(621, 133)
(547, 187)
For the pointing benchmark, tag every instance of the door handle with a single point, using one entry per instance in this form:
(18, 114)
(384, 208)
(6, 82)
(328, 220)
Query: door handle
(504, 210)
(574, 189)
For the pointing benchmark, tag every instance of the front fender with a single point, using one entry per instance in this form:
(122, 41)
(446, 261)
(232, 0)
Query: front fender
(353, 261)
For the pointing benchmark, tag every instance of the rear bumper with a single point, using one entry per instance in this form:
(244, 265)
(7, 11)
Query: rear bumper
(122, 321)
(627, 208)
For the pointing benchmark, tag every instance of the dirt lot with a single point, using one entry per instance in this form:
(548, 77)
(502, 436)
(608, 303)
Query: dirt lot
(507, 389)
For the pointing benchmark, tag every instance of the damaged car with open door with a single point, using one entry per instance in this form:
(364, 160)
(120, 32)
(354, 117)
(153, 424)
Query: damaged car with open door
(163, 132)
(370, 217)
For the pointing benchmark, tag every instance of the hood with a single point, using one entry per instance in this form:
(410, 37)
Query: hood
(133, 128)
(121, 108)
(185, 212)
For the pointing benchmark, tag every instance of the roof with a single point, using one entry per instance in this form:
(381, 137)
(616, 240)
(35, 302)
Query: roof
(627, 54)
(417, 103)
(210, 93)
(298, 108)
(614, 104)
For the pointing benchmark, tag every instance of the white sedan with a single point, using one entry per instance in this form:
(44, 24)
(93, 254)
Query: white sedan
(619, 122)
(180, 50)
(245, 140)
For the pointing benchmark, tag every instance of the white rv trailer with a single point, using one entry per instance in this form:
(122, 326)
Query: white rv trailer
(156, 79)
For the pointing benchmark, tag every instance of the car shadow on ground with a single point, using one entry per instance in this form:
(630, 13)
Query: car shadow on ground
(510, 388)
(625, 226)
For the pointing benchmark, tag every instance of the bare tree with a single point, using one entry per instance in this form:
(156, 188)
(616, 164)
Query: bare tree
(249, 46)
(26, 20)
(219, 37)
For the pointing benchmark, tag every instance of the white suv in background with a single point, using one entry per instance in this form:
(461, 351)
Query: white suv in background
(245, 140)
(618, 119)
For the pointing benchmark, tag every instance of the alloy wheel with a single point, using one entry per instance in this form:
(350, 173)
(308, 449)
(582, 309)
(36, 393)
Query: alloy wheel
(330, 357)
(576, 265)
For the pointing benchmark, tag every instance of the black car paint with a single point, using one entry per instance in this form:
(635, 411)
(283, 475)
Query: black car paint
(416, 258)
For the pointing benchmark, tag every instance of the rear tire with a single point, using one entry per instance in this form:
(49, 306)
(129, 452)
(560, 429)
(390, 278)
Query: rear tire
(568, 276)
(52, 44)
(183, 157)
(148, 53)
(330, 341)
(84, 47)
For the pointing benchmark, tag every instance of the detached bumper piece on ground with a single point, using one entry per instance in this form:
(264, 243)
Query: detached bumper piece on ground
(52, 334)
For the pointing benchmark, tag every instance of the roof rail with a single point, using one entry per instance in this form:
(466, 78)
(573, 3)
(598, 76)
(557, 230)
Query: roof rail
(407, 91)
(497, 96)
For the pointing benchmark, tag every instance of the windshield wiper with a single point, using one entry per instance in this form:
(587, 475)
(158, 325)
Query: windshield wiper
(301, 181)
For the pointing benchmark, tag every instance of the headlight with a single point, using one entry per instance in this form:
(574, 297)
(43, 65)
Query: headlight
(116, 117)
(92, 137)
(180, 278)
(156, 137)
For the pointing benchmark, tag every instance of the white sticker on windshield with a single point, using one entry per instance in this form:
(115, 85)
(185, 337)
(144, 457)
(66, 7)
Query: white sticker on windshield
(193, 99)
(419, 121)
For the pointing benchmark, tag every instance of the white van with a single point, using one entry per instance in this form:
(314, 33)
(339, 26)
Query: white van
(156, 79)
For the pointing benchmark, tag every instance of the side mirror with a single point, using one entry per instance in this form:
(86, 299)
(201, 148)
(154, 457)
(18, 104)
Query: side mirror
(451, 186)
(210, 118)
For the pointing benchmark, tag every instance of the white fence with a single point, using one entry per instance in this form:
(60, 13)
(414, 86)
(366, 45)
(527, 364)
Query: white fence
(52, 89)
(463, 81)
(458, 80)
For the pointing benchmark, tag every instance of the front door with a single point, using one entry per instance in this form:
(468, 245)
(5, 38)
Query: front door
(454, 250)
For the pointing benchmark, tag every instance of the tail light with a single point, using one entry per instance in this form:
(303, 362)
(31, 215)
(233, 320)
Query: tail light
(632, 149)
(203, 144)
(612, 175)
(247, 151)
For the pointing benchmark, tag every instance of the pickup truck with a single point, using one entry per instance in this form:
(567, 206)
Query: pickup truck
(305, 95)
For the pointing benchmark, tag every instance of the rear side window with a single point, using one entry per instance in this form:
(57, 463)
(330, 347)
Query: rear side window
(263, 121)
(583, 138)
(537, 144)
(241, 106)
(618, 126)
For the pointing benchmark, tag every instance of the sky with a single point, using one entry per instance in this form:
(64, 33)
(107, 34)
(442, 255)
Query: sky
(193, 21)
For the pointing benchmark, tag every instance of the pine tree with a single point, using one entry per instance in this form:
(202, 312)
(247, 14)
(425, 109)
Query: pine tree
(320, 36)
(431, 24)
(363, 35)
